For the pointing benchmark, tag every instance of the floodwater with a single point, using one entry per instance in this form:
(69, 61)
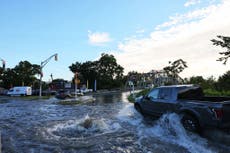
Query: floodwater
(108, 125)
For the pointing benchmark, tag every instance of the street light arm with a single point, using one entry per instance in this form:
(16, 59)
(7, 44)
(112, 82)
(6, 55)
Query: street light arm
(41, 75)
(47, 60)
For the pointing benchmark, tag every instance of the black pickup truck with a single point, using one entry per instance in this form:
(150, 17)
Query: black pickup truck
(197, 111)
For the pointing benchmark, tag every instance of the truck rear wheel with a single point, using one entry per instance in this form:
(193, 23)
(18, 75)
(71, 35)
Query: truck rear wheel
(190, 123)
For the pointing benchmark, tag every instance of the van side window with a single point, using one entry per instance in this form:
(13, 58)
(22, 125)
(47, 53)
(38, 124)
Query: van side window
(165, 93)
(153, 94)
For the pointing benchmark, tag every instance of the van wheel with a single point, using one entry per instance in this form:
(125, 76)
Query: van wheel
(190, 123)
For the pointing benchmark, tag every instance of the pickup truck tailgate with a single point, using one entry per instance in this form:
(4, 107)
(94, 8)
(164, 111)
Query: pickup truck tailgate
(226, 112)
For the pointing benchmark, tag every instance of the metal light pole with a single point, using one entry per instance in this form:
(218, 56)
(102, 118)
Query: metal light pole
(76, 81)
(3, 63)
(41, 66)
(3, 67)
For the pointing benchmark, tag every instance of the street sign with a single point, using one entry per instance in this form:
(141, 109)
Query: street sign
(130, 83)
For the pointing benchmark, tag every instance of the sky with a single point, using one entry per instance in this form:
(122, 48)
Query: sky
(142, 34)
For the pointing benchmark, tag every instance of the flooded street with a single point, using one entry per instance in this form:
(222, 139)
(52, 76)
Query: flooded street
(110, 124)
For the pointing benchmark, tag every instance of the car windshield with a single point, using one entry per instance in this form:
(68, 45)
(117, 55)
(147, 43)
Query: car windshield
(154, 94)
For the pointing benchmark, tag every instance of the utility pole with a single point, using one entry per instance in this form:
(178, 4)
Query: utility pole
(51, 75)
(76, 82)
(3, 63)
(95, 85)
(41, 66)
(3, 67)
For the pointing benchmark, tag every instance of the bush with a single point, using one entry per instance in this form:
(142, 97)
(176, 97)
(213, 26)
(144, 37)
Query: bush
(211, 92)
(132, 97)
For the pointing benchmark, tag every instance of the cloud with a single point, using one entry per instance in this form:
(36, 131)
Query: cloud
(191, 2)
(98, 38)
(188, 17)
(140, 31)
(186, 39)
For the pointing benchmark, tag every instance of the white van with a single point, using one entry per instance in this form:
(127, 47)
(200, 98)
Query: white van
(20, 91)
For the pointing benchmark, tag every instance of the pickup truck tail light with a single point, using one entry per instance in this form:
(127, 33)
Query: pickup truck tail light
(218, 113)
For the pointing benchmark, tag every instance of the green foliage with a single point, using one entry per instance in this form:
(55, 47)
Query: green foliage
(211, 86)
(109, 72)
(209, 83)
(224, 42)
(224, 82)
(134, 76)
(22, 74)
(211, 92)
(132, 97)
(174, 69)
(106, 71)
(143, 92)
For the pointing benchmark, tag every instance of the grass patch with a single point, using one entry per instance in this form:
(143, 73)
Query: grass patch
(211, 92)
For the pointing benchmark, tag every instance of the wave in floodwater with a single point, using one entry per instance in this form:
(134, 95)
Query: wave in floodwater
(167, 129)
(130, 115)
(81, 128)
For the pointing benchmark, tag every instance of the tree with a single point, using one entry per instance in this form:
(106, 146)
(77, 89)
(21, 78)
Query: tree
(106, 71)
(22, 74)
(135, 77)
(87, 71)
(224, 81)
(224, 42)
(175, 68)
(1, 74)
(75, 67)
(26, 72)
(109, 72)
(8, 78)
(197, 80)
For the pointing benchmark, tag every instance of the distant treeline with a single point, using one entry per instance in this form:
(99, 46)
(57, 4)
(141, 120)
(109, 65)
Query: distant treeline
(108, 74)
(212, 86)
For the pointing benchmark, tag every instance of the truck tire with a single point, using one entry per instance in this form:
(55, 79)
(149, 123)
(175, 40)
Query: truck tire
(190, 123)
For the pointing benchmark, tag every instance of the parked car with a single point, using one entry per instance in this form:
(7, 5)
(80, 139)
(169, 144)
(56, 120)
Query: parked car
(197, 111)
(20, 91)
(63, 94)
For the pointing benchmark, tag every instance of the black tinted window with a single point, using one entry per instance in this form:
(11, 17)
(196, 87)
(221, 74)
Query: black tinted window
(190, 93)
(165, 93)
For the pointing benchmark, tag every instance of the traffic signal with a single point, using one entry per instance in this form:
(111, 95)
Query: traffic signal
(56, 57)
(3, 64)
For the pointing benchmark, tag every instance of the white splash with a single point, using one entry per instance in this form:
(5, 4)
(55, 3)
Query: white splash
(130, 115)
(169, 129)
(86, 125)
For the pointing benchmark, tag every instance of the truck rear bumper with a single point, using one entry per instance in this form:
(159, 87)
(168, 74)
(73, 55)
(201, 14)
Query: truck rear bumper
(217, 124)
(224, 125)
